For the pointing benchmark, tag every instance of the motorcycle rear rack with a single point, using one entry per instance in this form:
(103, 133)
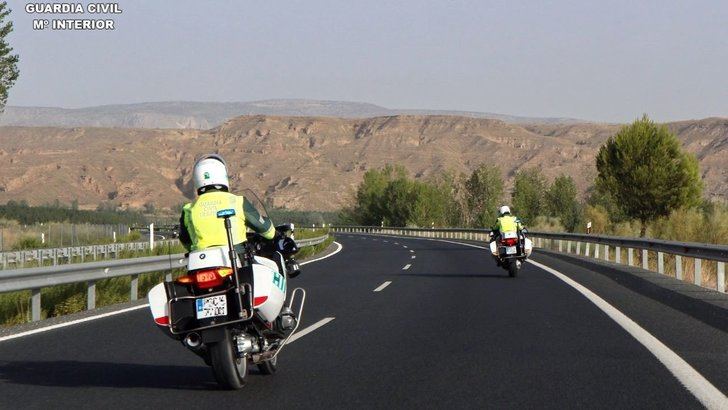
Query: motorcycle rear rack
(243, 313)
(272, 354)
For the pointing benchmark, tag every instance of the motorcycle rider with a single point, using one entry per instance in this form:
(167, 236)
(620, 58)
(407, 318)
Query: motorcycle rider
(505, 223)
(199, 226)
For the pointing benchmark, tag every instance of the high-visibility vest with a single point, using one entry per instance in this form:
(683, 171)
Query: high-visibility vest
(205, 228)
(507, 223)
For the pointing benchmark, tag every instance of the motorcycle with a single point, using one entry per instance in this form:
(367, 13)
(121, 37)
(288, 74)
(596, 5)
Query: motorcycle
(510, 249)
(230, 308)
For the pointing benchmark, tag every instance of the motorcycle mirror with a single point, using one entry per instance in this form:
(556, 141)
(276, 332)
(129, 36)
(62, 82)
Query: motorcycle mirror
(225, 213)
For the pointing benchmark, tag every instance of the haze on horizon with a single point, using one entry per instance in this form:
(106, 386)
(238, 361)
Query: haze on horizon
(578, 59)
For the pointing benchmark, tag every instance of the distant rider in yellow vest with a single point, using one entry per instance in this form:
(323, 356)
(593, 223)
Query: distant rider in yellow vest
(505, 223)
(200, 228)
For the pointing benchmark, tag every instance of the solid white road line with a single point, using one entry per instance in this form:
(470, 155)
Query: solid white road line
(382, 286)
(698, 385)
(303, 332)
(118, 312)
(407, 266)
(73, 322)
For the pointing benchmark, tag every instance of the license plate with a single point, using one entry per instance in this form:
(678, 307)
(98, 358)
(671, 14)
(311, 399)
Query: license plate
(211, 307)
(510, 250)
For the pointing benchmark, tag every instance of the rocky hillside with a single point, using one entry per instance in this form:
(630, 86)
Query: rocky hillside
(307, 162)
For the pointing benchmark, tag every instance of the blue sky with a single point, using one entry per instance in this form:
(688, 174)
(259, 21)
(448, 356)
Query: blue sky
(598, 60)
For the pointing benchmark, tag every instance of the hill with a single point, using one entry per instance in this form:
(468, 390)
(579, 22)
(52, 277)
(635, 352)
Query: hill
(307, 163)
(205, 115)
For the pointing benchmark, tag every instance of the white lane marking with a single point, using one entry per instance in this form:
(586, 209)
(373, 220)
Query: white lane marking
(73, 322)
(382, 286)
(411, 251)
(118, 312)
(303, 332)
(385, 241)
(698, 385)
(404, 246)
(413, 256)
(340, 247)
(396, 243)
(407, 266)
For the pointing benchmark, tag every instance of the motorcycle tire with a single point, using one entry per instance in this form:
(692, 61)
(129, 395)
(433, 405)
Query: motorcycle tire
(268, 367)
(230, 371)
(512, 268)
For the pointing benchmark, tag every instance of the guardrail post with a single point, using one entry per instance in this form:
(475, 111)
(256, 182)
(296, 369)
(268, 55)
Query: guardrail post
(698, 279)
(91, 295)
(35, 305)
(568, 246)
(618, 255)
(645, 260)
(578, 248)
(561, 246)
(678, 267)
(40, 257)
(630, 256)
(606, 252)
(721, 276)
(660, 262)
(55, 257)
(586, 250)
(596, 251)
(134, 287)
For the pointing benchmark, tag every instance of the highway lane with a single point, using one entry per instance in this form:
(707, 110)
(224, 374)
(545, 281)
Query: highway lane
(449, 331)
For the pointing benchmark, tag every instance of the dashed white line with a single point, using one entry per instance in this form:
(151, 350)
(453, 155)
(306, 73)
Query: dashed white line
(396, 243)
(382, 286)
(404, 246)
(414, 257)
(303, 332)
(407, 266)
(411, 251)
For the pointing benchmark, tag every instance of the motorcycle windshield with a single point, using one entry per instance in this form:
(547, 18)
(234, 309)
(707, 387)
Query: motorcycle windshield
(256, 201)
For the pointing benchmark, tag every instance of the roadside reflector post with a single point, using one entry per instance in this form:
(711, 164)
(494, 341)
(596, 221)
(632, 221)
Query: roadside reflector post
(698, 280)
(678, 267)
(630, 257)
(134, 287)
(660, 263)
(618, 255)
(35, 305)
(91, 297)
(151, 236)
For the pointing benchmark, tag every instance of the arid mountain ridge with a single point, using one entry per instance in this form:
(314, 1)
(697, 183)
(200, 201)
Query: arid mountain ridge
(206, 115)
(308, 163)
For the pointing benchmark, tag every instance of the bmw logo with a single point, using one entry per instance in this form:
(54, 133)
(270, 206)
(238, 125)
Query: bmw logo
(202, 256)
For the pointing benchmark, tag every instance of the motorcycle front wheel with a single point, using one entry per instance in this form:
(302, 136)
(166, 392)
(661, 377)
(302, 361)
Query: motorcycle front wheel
(230, 371)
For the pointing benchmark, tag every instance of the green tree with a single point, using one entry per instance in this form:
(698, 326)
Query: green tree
(8, 61)
(528, 194)
(644, 168)
(370, 207)
(484, 192)
(560, 201)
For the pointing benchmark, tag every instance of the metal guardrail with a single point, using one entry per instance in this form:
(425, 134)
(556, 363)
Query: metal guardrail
(38, 257)
(34, 279)
(564, 241)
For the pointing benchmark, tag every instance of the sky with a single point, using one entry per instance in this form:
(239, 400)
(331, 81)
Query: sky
(602, 60)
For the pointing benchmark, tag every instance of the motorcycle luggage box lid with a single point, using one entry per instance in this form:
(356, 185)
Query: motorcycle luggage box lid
(214, 257)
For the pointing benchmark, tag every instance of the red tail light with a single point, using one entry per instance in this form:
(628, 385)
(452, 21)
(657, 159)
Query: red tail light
(206, 279)
(259, 300)
(510, 241)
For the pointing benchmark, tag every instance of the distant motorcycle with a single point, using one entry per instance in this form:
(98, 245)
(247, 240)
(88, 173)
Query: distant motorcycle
(231, 310)
(510, 249)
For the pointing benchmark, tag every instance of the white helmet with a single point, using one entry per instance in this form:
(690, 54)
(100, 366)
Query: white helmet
(504, 210)
(210, 171)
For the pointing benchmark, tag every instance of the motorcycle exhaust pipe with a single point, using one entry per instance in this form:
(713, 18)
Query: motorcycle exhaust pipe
(193, 340)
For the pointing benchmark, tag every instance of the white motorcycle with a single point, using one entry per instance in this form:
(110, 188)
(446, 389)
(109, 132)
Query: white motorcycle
(233, 317)
(510, 250)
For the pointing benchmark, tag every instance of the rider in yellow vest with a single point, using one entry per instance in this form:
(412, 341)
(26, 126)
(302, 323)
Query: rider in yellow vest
(506, 222)
(200, 228)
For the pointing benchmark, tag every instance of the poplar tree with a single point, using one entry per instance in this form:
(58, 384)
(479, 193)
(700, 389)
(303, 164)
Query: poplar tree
(8, 60)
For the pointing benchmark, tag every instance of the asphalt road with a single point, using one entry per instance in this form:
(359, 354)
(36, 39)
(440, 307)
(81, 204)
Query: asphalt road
(451, 330)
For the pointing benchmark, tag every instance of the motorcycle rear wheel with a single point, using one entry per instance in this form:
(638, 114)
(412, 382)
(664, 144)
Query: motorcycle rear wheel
(230, 371)
(512, 268)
